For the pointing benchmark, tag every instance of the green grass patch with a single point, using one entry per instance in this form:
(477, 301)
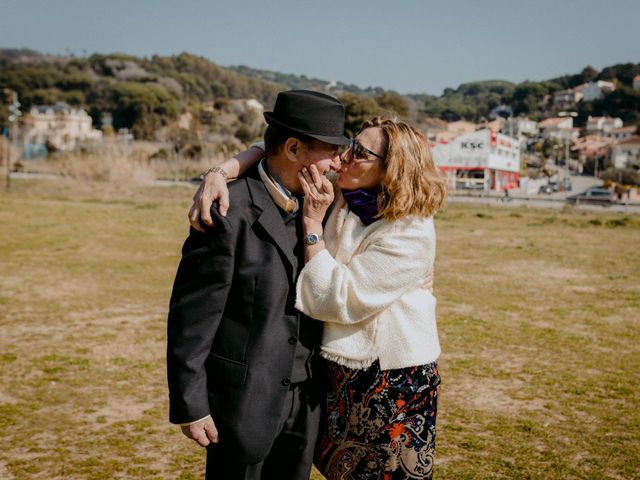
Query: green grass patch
(537, 315)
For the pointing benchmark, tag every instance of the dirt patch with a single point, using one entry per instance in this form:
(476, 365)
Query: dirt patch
(541, 269)
(123, 409)
(492, 395)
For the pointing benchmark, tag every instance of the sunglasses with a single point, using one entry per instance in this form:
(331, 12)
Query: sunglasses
(357, 152)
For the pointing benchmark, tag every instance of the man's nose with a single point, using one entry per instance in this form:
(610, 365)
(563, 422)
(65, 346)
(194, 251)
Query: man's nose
(335, 161)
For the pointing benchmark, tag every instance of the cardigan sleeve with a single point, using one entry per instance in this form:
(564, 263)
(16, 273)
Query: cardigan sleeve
(393, 263)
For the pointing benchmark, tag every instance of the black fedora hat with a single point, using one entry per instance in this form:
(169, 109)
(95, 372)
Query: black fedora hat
(314, 114)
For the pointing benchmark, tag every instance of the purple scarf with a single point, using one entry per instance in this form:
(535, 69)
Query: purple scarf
(364, 203)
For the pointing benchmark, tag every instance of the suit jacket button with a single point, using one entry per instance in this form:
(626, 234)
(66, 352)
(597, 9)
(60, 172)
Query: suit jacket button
(286, 382)
(293, 340)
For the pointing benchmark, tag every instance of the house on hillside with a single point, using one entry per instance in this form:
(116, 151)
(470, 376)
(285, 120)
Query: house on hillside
(559, 128)
(591, 147)
(565, 99)
(602, 124)
(60, 126)
(520, 127)
(595, 90)
(626, 153)
(636, 82)
(482, 160)
(618, 134)
(587, 92)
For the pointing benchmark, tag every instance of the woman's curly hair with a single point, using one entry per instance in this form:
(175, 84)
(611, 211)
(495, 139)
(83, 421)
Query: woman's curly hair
(412, 184)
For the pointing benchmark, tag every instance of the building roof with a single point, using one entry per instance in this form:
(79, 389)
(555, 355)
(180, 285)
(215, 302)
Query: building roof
(436, 123)
(630, 129)
(634, 140)
(552, 122)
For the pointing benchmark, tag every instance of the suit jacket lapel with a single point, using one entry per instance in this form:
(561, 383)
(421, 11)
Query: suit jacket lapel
(270, 220)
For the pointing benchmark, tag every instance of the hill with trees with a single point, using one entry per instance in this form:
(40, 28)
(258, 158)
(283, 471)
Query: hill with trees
(147, 94)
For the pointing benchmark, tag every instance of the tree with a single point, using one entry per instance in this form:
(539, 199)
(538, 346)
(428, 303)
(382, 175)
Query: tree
(526, 96)
(394, 103)
(358, 109)
(141, 107)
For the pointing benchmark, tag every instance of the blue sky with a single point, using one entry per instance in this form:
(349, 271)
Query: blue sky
(411, 46)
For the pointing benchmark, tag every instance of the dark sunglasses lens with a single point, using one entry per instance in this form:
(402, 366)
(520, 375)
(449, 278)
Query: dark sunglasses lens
(358, 151)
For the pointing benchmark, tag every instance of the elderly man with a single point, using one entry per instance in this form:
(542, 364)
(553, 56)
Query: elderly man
(240, 357)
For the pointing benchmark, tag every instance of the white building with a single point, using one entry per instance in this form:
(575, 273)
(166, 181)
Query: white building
(560, 128)
(586, 92)
(619, 134)
(626, 153)
(595, 90)
(520, 127)
(603, 124)
(60, 125)
(481, 160)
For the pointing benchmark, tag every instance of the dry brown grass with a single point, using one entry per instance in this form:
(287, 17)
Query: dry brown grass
(538, 315)
(140, 167)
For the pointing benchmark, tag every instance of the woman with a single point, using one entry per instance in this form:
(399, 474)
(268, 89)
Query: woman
(364, 280)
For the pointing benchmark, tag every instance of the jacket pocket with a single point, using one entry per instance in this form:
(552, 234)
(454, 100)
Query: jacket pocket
(226, 370)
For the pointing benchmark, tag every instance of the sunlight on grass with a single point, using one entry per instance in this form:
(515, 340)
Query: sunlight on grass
(538, 316)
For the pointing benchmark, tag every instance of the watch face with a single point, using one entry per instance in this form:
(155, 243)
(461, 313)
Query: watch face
(311, 239)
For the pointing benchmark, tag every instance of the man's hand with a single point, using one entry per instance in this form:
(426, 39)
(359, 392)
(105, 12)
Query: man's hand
(318, 194)
(203, 432)
(213, 187)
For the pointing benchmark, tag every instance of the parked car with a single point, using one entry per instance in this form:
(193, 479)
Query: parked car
(548, 188)
(593, 195)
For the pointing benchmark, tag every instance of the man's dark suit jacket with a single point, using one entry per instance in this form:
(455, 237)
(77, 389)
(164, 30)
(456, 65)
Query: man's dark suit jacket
(232, 323)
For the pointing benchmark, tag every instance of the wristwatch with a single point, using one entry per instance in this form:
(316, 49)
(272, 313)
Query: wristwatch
(312, 239)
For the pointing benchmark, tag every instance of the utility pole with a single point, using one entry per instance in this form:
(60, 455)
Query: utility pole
(567, 141)
(126, 136)
(14, 113)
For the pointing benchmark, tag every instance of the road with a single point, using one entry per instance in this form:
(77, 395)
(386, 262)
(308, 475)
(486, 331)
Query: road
(552, 201)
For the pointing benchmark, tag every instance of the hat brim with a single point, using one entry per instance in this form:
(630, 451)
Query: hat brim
(338, 140)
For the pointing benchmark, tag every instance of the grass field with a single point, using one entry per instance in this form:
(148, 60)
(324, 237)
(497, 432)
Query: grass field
(539, 318)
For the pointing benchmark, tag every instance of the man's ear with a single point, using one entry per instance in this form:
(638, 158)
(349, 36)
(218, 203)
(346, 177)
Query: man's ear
(291, 148)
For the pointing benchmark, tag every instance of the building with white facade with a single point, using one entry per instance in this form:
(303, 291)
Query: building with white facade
(482, 160)
(595, 90)
(603, 124)
(586, 92)
(59, 125)
(626, 153)
(618, 134)
(560, 128)
(520, 127)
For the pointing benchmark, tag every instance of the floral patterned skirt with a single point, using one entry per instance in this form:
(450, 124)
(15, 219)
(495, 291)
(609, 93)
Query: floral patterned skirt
(379, 424)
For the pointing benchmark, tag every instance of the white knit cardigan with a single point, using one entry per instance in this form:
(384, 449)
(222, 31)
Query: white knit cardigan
(367, 288)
